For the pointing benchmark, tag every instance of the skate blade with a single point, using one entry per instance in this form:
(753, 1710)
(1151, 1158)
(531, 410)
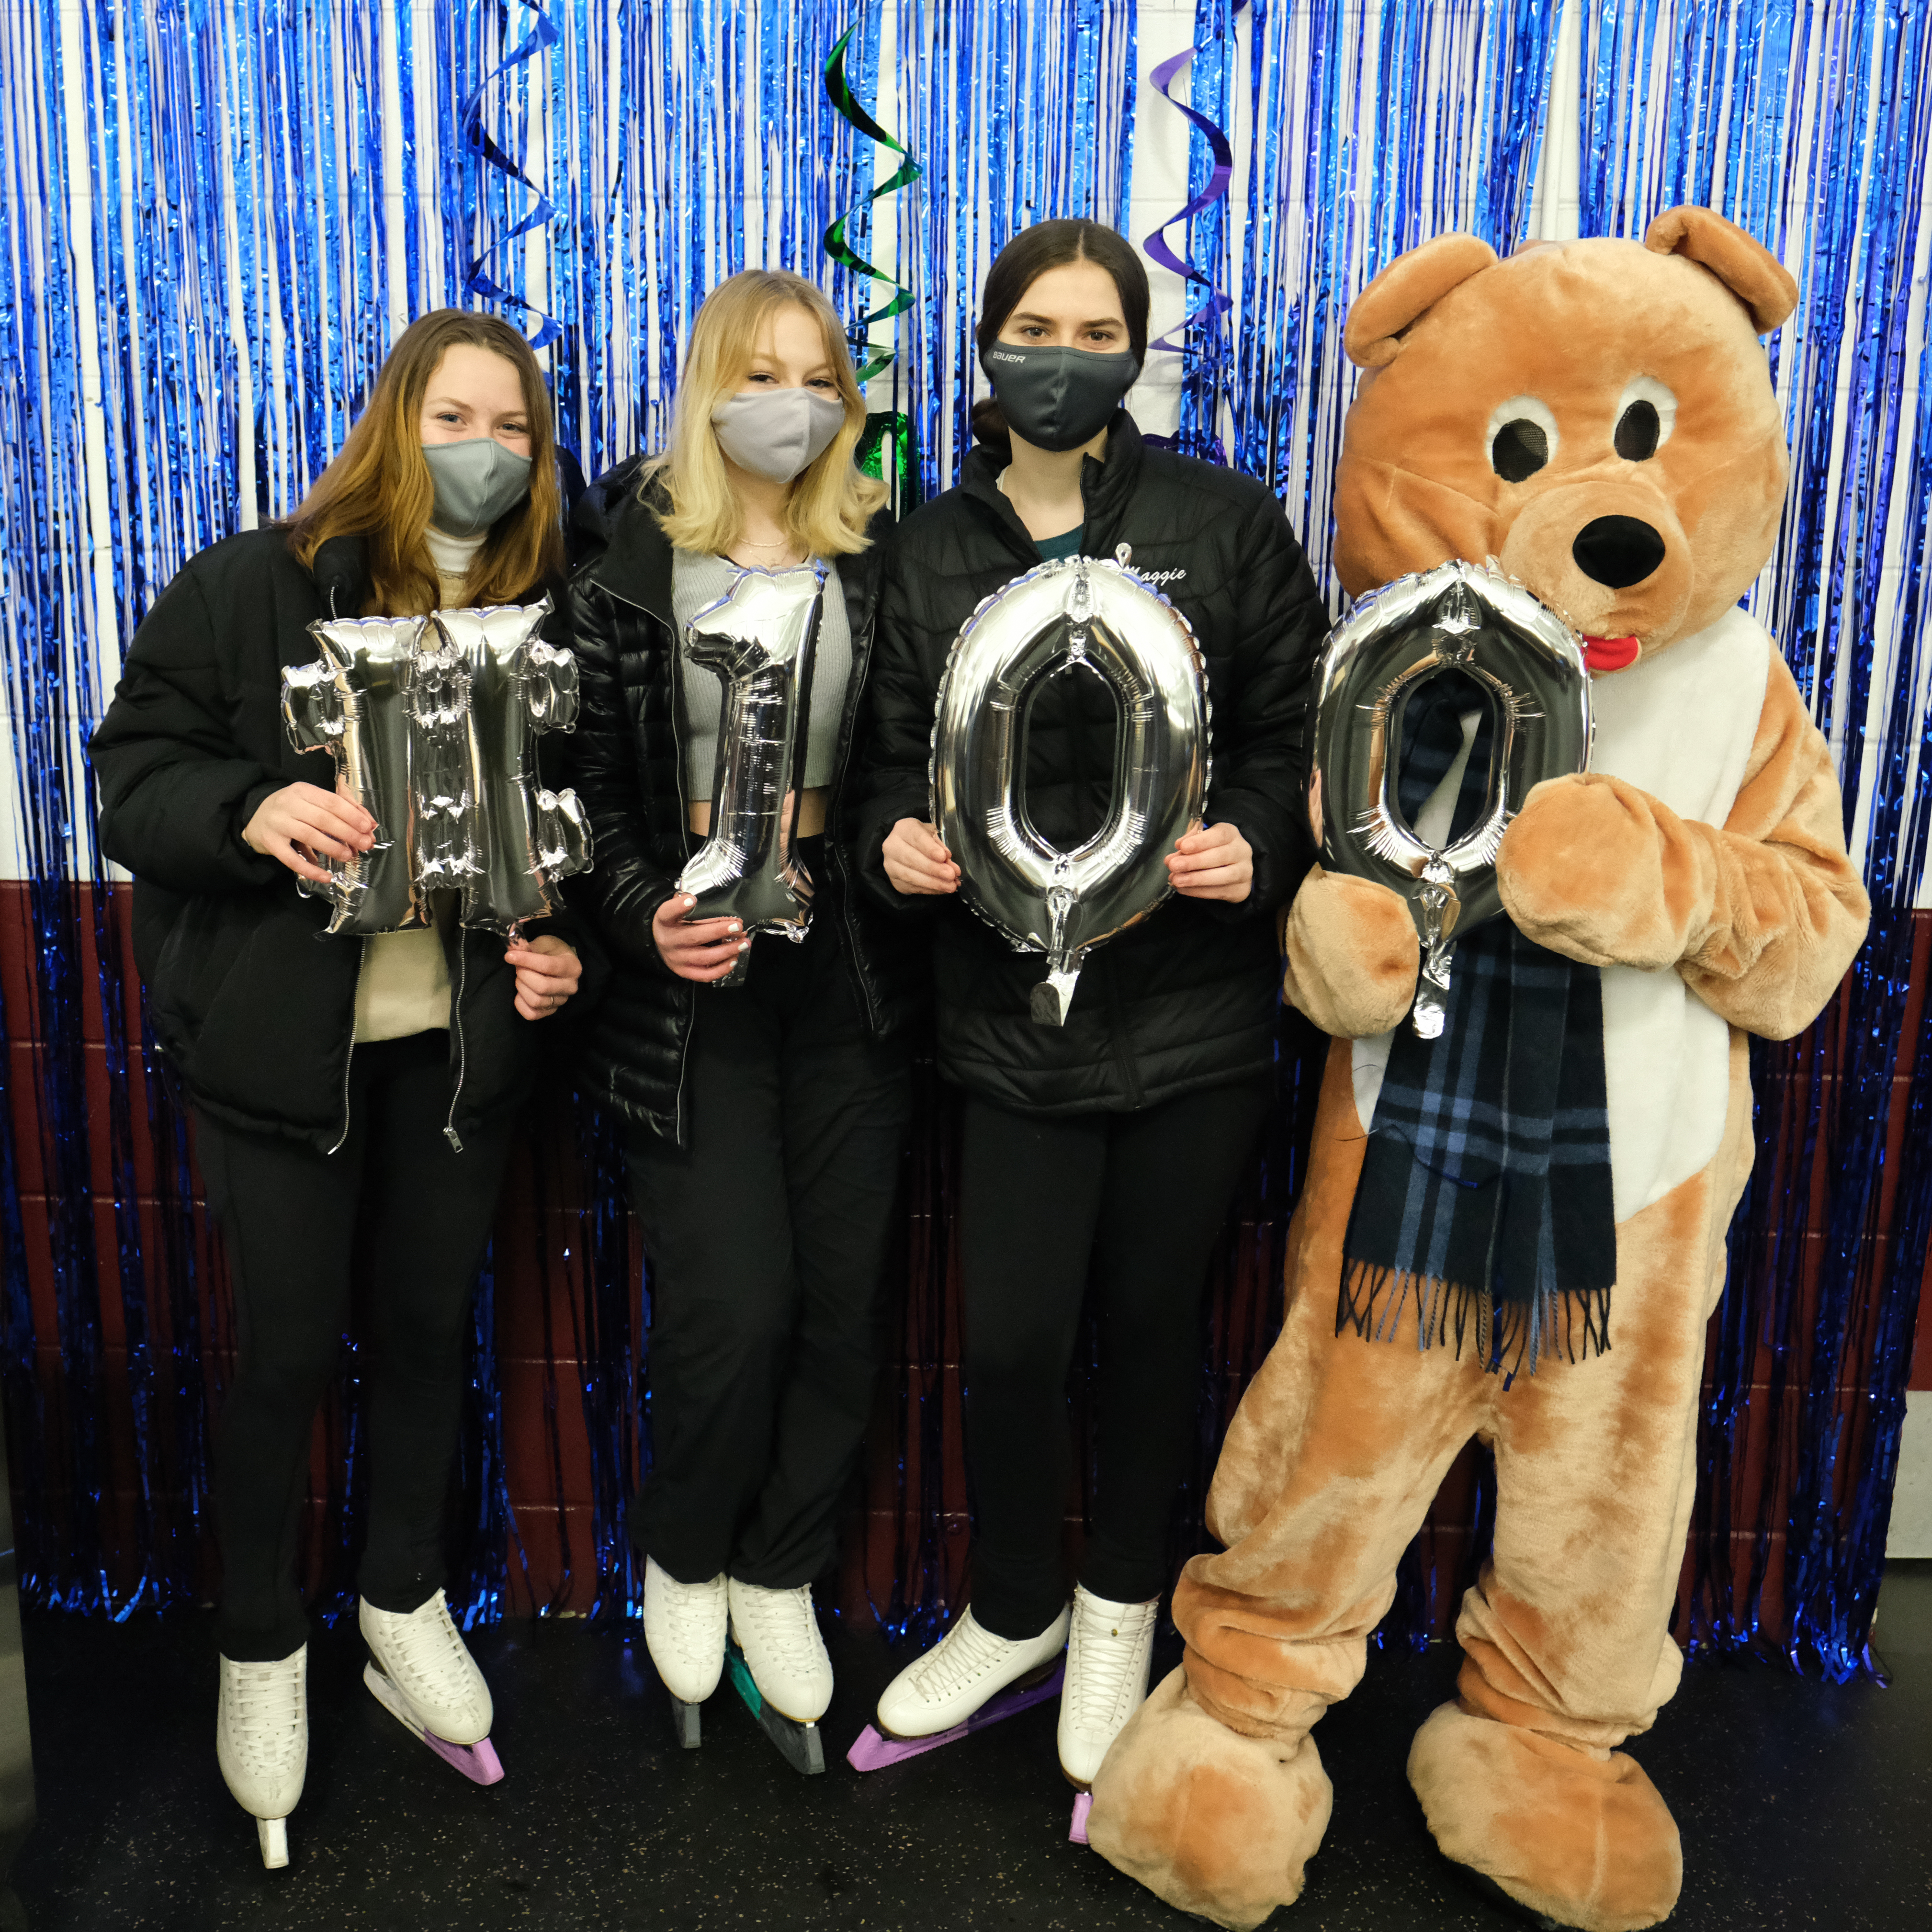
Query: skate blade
(1076, 1832)
(686, 1721)
(799, 1745)
(273, 1834)
(872, 1750)
(478, 1762)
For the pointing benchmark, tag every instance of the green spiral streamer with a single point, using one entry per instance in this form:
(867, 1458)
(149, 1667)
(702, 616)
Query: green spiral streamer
(880, 424)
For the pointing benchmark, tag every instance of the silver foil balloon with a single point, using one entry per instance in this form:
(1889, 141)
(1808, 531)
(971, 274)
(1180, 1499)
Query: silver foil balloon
(759, 638)
(1071, 617)
(509, 840)
(430, 721)
(1458, 616)
(352, 701)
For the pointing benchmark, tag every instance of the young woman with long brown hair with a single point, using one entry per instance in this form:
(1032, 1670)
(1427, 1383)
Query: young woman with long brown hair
(765, 1118)
(352, 1101)
(1104, 1151)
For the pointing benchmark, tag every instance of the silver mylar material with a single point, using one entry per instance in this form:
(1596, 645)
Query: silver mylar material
(509, 840)
(1072, 615)
(431, 720)
(1459, 617)
(759, 637)
(352, 701)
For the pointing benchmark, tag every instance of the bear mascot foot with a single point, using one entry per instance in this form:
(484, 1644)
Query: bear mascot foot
(1214, 1822)
(1582, 1840)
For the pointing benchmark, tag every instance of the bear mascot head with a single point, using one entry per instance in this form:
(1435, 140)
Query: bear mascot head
(1597, 416)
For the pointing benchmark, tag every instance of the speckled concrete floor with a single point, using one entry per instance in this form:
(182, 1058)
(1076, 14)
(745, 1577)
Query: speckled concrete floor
(1800, 1806)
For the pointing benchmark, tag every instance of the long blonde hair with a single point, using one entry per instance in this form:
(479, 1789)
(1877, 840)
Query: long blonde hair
(380, 486)
(830, 504)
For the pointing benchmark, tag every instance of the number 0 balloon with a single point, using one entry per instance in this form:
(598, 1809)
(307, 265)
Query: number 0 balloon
(1073, 617)
(1530, 664)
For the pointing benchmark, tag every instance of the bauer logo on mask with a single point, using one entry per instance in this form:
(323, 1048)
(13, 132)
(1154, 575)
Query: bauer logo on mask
(430, 721)
(1073, 617)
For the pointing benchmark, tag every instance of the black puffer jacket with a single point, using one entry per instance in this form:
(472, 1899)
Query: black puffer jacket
(252, 1005)
(1185, 1000)
(627, 764)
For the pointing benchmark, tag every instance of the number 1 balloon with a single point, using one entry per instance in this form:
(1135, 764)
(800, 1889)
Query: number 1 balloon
(759, 638)
(1071, 616)
(1530, 666)
(429, 721)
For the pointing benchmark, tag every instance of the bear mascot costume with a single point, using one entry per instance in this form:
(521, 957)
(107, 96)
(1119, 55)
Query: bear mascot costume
(1597, 416)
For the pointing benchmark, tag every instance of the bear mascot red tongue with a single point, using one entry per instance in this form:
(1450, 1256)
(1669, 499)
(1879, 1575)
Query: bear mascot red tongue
(1598, 416)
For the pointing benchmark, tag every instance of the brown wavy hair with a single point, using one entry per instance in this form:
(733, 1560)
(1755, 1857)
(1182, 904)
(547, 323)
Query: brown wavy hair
(379, 486)
(1027, 256)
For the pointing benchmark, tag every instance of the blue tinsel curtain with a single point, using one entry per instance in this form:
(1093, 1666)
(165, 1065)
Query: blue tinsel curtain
(221, 212)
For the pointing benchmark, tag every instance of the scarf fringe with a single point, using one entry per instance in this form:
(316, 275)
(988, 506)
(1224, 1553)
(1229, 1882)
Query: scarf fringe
(1381, 1304)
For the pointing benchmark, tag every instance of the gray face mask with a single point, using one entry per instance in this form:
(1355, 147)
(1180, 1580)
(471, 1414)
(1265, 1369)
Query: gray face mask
(777, 434)
(1058, 398)
(476, 482)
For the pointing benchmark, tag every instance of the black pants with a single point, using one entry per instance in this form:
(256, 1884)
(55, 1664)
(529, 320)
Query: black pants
(767, 1236)
(1135, 1200)
(295, 1224)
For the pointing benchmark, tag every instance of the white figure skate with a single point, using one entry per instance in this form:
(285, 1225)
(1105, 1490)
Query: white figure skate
(1108, 1650)
(423, 1675)
(684, 1631)
(261, 1742)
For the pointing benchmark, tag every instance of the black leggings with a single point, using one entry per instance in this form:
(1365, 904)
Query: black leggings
(294, 1223)
(1135, 1200)
(768, 1235)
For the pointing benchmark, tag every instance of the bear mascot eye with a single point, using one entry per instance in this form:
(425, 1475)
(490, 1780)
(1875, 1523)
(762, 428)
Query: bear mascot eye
(1646, 414)
(1523, 438)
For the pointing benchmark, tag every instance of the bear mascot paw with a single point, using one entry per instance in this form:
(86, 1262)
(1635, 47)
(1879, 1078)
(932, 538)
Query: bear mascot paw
(1515, 1233)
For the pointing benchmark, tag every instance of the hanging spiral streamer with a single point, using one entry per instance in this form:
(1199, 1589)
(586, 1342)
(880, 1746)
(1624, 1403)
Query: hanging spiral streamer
(475, 282)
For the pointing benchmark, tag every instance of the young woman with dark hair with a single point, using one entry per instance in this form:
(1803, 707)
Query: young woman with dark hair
(765, 1118)
(352, 1110)
(1108, 1149)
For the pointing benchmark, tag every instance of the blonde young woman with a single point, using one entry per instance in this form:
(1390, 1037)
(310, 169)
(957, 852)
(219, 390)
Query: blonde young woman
(352, 1113)
(765, 1119)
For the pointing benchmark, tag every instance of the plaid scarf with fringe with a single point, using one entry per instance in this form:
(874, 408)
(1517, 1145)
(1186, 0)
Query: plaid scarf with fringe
(1484, 1214)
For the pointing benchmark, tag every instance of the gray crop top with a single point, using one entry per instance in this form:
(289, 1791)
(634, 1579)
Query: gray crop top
(696, 580)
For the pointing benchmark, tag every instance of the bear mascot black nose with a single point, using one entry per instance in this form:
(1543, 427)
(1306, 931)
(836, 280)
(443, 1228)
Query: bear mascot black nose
(1617, 550)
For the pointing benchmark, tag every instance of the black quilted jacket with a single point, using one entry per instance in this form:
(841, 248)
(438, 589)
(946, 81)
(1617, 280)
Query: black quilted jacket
(1185, 1000)
(628, 767)
(252, 1007)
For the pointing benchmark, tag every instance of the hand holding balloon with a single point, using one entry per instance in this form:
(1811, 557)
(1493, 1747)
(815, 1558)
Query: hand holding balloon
(1216, 862)
(300, 820)
(703, 949)
(547, 972)
(916, 861)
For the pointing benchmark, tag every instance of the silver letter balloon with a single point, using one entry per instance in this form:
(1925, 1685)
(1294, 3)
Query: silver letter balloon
(759, 638)
(430, 721)
(1458, 616)
(1072, 616)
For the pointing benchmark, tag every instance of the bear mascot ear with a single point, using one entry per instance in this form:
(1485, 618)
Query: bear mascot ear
(1740, 261)
(1409, 285)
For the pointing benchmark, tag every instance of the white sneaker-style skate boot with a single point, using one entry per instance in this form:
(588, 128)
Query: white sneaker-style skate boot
(421, 1672)
(779, 1633)
(968, 1665)
(684, 1631)
(261, 1742)
(1109, 1652)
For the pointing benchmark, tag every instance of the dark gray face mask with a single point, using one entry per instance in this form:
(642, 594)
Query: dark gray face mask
(1058, 398)
(476, 481)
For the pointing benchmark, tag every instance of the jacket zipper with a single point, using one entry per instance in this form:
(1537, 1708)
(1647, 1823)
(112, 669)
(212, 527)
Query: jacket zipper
(671, 624)
(835, 855)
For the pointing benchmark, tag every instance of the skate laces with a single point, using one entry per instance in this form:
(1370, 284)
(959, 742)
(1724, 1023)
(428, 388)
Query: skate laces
(966, 1653)
(264, 1707)
(783, 1622)
(692, 1612)
(425, 1645)
(1103, 1660)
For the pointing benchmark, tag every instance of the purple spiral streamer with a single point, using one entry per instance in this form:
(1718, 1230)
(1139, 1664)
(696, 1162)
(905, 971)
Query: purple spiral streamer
(218, 217)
